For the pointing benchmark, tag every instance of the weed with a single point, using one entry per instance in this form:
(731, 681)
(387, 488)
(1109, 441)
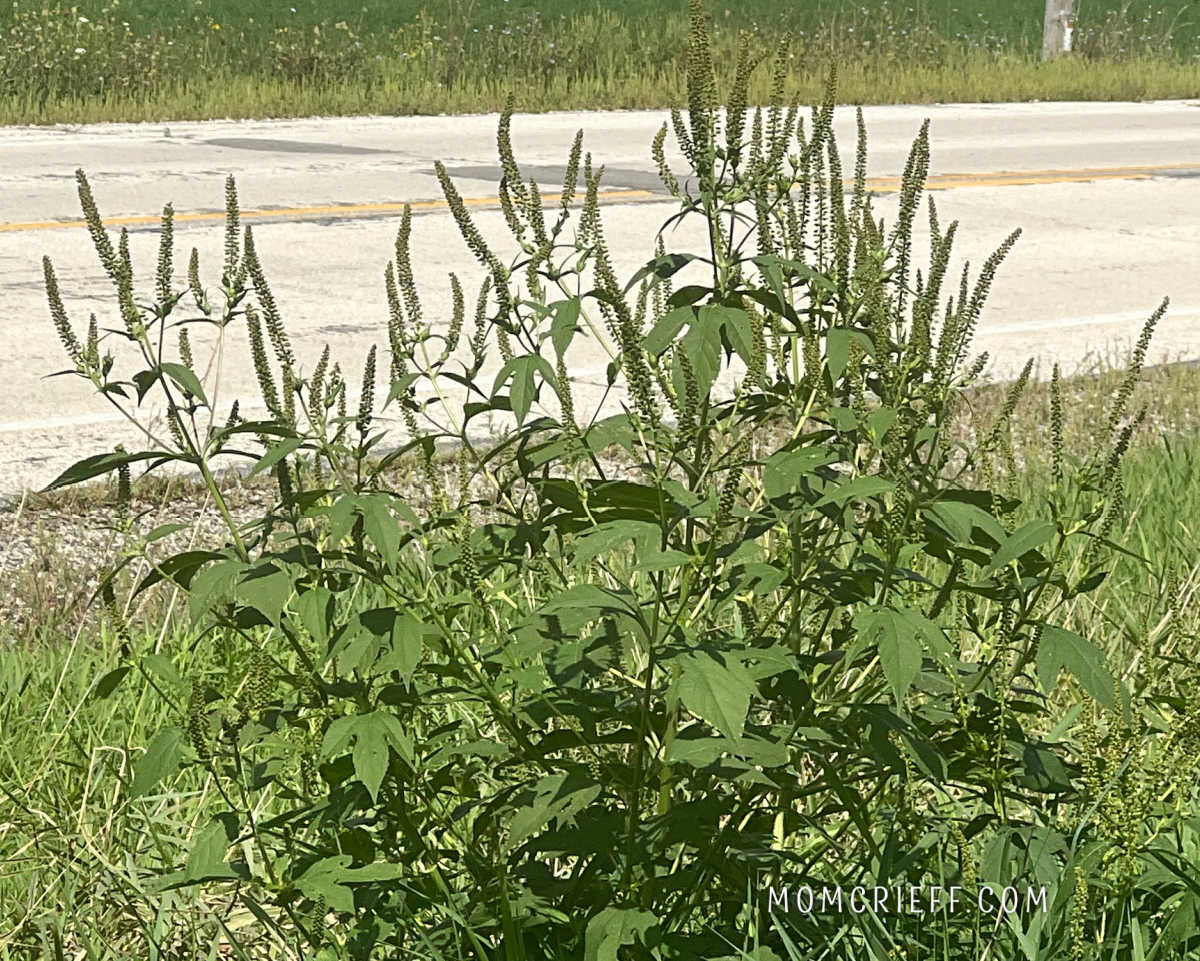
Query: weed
(807, 635)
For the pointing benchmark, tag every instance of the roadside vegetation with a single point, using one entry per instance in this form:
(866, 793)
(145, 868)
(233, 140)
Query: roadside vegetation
(156, 60)
(592, 691)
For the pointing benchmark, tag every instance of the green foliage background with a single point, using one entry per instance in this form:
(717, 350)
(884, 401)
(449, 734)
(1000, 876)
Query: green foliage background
(150, 60)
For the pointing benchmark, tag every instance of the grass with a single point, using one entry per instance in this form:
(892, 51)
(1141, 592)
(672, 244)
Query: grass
(149, 60)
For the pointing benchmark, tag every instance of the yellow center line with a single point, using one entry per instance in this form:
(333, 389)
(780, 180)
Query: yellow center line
(330, 210)
(1014, 178)
(1023, 177)
(1027, 181)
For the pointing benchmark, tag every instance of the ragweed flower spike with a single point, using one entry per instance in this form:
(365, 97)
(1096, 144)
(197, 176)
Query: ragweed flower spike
(1056, 425)
(366, 402)
(1010, 406)
(735, 115)
(912, 184)
(185, 349)
(571, 177)
(316, 389)
(535, 214)
(126, 265)
(337, 390)
(129, 312)
(682, 136)
(660, 160)
(197, 726)
(462, 218)
(566, 399)
(124, 490)
(397, 328)
(404, 273)
(510, 213)
(194, 281)
(232, 253)
(1125, 391)
(456, 317)
(508, 163)
(278, 336)
(59, 314)
(860, 168)
(778, 134)
(95, 225)
(166, 252)
(701, 79)
(262, 368)
(91, 353)
(480, 335)
(970, 315)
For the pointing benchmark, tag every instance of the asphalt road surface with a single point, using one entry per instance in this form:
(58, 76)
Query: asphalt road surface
(1108, 196)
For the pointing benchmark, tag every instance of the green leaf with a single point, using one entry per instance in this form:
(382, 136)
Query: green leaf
(663, 333)
(654, 558)
(370, 753)
(880, 421)
(400, 386)
(164, 530)
(163, 758)
(735, 324)
(702, 344)
(769, 265)
(815, 278)
(661, 267)
(275, 454)
(564, 324)
(96, 465)
(164, 669)
(1060, 648)
(373, 734)
(267, 590)
(782, 470)
(381, 526)
(612, 929)
(206, 860)
(686, 296)
(557, 797)
(899, 649)
(109, 683)
(186, 379)
(315, 610)
(328, 878)
(179, 568)
(407, 646)
(211, 585)
(718, 693)
(859, 487)
(959, 518)
(837, 349)
(1032, 535)
(143, 380)
(586, 597)
(523, 390)
(607, 535)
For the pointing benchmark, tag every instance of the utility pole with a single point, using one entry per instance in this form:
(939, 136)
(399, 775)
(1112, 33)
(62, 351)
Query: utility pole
(1058, 28)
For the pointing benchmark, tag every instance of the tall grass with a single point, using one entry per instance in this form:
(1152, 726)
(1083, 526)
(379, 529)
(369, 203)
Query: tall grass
(147, 60)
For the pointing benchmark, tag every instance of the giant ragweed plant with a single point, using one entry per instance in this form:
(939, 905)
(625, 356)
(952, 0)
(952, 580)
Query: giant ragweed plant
(576, 704)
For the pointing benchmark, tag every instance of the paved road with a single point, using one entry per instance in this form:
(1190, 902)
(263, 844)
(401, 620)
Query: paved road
(1108, 196)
